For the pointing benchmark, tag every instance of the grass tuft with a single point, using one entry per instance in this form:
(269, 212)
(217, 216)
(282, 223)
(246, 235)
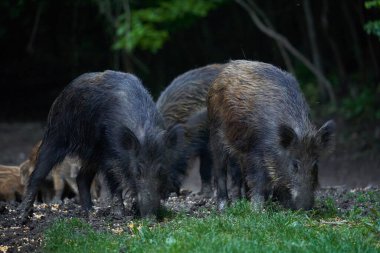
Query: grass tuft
(238, 229)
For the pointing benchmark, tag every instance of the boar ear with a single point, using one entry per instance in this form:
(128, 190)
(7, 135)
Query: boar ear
(175, 136)
(129, 140)
(326, 136)
(287, 136)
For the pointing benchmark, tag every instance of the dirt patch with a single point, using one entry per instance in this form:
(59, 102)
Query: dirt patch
(29, 237)
(15, 237)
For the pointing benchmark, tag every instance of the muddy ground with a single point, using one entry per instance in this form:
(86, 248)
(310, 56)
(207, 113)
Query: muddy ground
(29, 237)
(354, 164)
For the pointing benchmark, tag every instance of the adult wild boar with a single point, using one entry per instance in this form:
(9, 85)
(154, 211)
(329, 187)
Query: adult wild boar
(184, 102)
(259, 116)
(109, 121)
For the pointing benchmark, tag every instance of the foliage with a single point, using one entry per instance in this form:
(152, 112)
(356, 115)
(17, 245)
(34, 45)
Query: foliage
(362, 105)
(149, 28)
(13, 11)
(308, 84)
(373, 27)
(87, 30)
(238, 229)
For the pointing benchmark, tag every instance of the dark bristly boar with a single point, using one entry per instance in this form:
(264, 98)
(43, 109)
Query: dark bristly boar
(197, 130)
(27, 167)
(11, 188)
(259, 116)
(184, 102)
(110, 121)
(46, 191)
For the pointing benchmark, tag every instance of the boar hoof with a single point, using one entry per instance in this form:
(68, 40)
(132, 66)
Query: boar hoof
(56, 201)
(25, 217)
(206, 192)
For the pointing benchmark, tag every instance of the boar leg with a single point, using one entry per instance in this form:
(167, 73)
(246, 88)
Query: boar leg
(219, 172)
(59, 185)
(205, 169)
(257, 180)
(113, 183)
(49, 156)
(84, 180)
(236, 179)
(72, 184)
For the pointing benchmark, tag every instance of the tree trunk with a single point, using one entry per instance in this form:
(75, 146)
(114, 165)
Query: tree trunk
(313, 40)
(30, 47)
(284, 54)
(371, 52)
(73, 40)
(281, 39)
(355, 38)
(343, 78)
(127, 59)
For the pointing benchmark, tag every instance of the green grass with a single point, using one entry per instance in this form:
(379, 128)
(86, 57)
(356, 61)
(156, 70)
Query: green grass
(238, 229)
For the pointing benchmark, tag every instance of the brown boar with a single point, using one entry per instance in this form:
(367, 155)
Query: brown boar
(52, 188)
(11, 188)
(259, 116)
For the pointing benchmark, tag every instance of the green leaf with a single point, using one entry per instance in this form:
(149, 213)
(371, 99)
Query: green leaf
(372, 4)
(150, 27)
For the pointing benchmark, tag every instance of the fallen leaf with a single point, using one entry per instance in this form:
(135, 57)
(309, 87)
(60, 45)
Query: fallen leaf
(54, 207)
(3, 248)
(117, 231)
(38, 216)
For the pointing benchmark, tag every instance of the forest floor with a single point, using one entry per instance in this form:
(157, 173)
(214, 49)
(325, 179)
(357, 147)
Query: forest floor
(349, 188)
(52, 226)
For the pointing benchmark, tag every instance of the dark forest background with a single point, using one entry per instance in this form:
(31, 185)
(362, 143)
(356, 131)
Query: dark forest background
(332, 47)
(46, 44)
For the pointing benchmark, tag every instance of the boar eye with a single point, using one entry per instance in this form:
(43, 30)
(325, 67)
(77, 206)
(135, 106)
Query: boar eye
(296, 165)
